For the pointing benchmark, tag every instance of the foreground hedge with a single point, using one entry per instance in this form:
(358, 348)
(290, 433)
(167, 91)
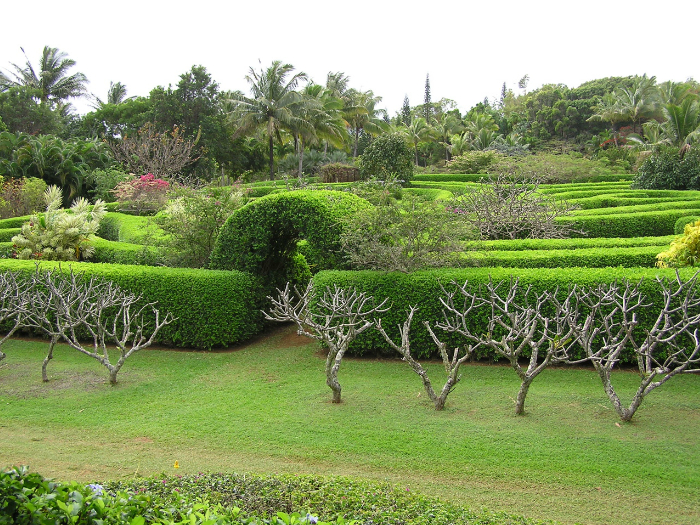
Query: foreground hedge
(221, 499)
(423, 289)
(213, 308)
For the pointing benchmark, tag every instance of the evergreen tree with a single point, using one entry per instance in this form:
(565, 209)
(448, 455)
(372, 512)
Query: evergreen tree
(427, 108)
(406, 111)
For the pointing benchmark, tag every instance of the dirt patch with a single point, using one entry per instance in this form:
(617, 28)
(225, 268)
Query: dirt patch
(291, 338)
(142, 439)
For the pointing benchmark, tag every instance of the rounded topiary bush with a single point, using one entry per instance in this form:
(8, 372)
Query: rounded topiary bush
(262, 237)
(388, 155)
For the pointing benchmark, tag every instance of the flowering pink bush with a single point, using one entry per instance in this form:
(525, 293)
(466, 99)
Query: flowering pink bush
(144, 194)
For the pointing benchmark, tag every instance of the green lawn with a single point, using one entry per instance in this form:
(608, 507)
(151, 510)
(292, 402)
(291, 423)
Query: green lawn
(265, 408)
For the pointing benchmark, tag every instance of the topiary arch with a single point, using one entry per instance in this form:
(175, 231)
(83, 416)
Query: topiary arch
(262, 237)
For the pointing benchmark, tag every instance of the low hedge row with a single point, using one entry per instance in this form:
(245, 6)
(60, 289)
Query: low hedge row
(431, 194)
(135, 229)
(642, 224)
(679, 227)
(422, 289)
(14, 222)
(613, 201)
(641, 208)
(449, 177)
(568, 244)
(643, 256)
(112, 252)
(6, 234)
(213, 308)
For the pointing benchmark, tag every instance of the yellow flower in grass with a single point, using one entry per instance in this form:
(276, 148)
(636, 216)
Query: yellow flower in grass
(176, 465)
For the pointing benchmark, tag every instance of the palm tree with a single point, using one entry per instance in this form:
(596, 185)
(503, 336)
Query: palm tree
(418, 131)
(53, 82)
(362, 115)
(638, 102)
(274, 104)
(115, 95)
(447, 126)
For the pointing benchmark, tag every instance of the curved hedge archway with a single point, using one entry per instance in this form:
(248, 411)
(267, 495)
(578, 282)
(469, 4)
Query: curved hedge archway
(262, 237)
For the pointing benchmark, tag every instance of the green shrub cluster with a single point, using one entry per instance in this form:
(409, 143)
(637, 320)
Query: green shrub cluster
(472, 162)
(261, 237)
(387, 155)
(422, 289)
(212, 308)
(668, 169)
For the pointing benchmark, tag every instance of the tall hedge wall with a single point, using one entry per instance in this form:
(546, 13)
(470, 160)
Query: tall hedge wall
(261, 238)
(423, 289)
(213, 308)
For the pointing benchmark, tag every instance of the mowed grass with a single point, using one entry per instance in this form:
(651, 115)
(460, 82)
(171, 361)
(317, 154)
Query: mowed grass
(265, 408)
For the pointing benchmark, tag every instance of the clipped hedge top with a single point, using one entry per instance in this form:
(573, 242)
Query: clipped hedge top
(261, 237)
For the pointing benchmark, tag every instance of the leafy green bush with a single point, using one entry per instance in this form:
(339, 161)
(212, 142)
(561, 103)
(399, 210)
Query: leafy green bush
(59, 234)
(261, 237)
(101, 183)
(193, 219)
(387, 155)
(551, 168)
(21, 196)
(472, 162)
(212, 308)
(667, 169)
(422, 289)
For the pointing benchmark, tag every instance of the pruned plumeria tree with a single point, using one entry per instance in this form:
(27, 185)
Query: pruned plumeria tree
(517, 325)
(336, 318)
(452, 364)
(14, 297)
(605, 321)
(508, 206)
(75, 309)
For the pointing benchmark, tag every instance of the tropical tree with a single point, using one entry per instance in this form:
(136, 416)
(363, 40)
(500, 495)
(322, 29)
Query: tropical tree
(54, 83)
(363, 116)
(274, 105)
(447, 126)
(115, 95)
(638, 102)
(418, 131)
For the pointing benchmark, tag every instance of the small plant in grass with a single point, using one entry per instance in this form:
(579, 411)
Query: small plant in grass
(58, 234)
(684, 251)
(517, 325)
(336, 319)
(75, 309)
(608, 327)
(452, 364)
(14, 298)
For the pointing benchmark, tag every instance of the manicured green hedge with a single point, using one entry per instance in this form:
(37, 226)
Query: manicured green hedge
(261, 237)
(6, 234)
(644, 256)
(568, 244)
(135, 229)
(449, 177)
(14, 222)
(423, 290)
(642, 224)
(213, 308)
(428, 193)
(679, 227)
(125, 253)
(642, 208)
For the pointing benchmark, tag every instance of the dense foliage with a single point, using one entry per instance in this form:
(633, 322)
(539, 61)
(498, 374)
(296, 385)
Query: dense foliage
(386, 156)
(667, 169)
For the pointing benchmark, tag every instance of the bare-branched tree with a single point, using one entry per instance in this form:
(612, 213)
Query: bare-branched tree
(336, 318)
(14, 297)
(512, 207)
(70, 306)
(517, 325)
(604, 319)
(452, 364)
(149, 151)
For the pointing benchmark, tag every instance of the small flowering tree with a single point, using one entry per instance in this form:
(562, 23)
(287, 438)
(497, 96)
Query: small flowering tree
(58, 234)
(336, 319)
(142, 195)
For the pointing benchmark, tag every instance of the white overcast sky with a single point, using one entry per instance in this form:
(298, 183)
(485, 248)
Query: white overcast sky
(468, 48)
